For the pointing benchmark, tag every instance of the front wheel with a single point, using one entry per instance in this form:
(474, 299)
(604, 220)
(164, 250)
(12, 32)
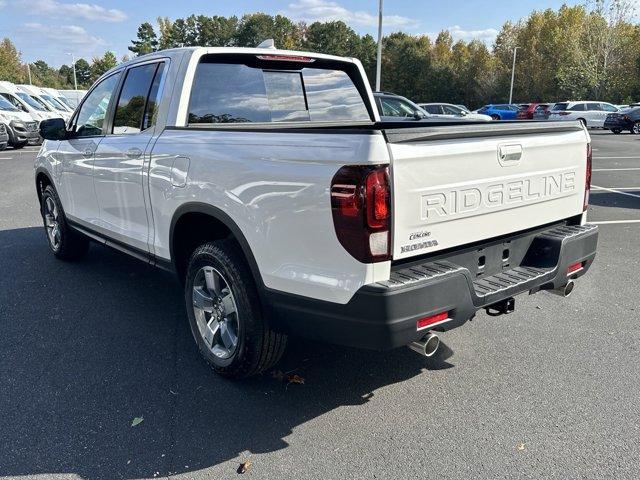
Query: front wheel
(636, 128)
(65, 243)
(20, 145)
(225, 315)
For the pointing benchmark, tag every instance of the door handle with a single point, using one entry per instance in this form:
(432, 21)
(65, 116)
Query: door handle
(133, 153)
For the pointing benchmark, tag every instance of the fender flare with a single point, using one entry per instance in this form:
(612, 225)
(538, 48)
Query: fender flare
(227, 221)
(45, 172)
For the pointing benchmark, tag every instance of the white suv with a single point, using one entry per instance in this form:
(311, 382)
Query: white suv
(592, 114)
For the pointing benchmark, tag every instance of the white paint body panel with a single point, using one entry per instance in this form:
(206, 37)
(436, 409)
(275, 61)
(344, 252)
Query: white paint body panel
(453, 192)
(275, 187)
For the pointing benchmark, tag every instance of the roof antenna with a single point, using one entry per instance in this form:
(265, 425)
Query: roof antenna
(268, 43)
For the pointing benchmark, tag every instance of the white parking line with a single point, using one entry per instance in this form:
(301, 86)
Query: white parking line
(6, 158)
(613, 222)
(614, 169)
(615, 191)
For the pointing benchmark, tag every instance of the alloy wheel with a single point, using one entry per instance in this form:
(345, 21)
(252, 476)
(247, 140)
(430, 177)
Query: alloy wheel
(52, 223)
(636, 128)
(216, 312)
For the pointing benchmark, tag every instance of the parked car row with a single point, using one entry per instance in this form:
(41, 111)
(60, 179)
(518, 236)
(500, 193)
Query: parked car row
(394, 108)
(23, 107)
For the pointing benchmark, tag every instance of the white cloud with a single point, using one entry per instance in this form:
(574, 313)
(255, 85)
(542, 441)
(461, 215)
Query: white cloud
(2, 3)
(86, 11)
(488, 35)
(326, 11)
(52, 42)
(63, 34)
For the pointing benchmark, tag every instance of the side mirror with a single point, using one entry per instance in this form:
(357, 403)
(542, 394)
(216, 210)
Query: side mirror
(53, 129)
(464, 113)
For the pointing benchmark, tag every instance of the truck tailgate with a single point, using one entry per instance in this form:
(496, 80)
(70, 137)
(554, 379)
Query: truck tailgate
(461, 184)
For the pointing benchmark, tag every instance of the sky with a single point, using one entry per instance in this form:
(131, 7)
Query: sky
(52, 29)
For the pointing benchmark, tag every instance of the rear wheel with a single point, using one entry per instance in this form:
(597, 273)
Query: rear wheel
(636, 128)
(225, 315)
(18, 146)
(65, 243)
(495, 117)
(617, 131)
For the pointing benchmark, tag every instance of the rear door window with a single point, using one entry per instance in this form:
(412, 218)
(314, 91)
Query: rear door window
(256, 92)
(593, 106)
(578, 107)
(433, 109)
(133, 97)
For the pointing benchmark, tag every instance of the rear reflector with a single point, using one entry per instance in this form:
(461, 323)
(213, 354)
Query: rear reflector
(575, 267)
(433, 320)
(587, 179)
(287, 58)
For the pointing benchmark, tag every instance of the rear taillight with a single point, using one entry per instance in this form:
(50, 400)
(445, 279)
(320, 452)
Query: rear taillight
(361, 209)
(587, 178)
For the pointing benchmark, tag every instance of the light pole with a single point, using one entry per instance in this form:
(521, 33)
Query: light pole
(513, 73)
(379, 56)
(75, 80)
(29, 72)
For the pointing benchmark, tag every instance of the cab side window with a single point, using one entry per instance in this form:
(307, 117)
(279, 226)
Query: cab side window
(137, 103)
(91, 116)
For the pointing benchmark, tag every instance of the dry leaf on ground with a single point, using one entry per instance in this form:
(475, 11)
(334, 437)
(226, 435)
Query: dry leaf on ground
(244, 466)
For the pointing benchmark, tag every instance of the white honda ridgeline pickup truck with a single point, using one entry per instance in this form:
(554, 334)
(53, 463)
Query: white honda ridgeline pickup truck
(266, 180)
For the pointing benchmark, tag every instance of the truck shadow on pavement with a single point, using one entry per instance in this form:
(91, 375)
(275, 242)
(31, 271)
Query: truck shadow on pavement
(610, 199)
(89, 347)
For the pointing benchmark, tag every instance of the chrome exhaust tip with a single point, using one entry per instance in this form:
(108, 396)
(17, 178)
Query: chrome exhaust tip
(564, 290)
(427, 347)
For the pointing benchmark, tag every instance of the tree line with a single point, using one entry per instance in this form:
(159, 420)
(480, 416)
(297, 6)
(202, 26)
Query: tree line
(589, 51)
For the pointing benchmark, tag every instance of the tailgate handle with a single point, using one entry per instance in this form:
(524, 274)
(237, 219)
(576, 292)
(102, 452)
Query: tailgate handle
(510, 153)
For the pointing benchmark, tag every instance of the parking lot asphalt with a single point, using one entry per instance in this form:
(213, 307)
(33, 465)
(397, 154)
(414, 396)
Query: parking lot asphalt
(550, 391)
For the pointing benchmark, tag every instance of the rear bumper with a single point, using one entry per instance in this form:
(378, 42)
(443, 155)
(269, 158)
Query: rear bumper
(384, 315)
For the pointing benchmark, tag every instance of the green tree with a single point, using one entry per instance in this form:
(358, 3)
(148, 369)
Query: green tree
(11, 68)
(147, 41)
(103, 64)
(254, 28)
(83, 73)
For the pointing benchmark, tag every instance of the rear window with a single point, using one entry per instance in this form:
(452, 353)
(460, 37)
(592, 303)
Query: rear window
(560, 106)
(261, 92)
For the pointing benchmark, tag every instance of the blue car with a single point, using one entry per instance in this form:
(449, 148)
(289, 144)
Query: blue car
(503, 111)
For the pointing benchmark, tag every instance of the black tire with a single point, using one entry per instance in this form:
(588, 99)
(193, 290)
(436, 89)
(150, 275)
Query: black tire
(18, 146)
(3, 146)
(617, 131)
(583, 122)
(258, 347)
(71, 245)
(495, 117)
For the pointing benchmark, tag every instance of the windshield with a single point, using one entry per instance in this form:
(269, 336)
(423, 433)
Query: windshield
(44, 105)
(560, 106)
(66, 102)
(29, 100)
(56, 104)
(6, 105)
